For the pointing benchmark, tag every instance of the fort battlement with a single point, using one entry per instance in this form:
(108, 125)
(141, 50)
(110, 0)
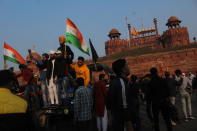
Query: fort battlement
(174, 36)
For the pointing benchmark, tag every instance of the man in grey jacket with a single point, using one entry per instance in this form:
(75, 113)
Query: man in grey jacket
(186, 97)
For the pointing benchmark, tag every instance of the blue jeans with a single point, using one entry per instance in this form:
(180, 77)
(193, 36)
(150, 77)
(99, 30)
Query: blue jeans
(45, 93)
(62, 86)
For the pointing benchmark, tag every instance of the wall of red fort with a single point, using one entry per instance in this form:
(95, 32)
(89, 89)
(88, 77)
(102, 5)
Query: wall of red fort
(174, 36)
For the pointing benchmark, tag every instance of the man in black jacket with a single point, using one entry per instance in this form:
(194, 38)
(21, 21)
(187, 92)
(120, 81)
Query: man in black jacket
(42, 66)
(65, 49)
(64, 57)
(158, 96)
(135, 89)
(68, 55)
(60, 75)
(171, 85)
(119, 98)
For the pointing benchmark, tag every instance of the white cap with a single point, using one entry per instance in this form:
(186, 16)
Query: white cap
(58, 52)
(51, 52)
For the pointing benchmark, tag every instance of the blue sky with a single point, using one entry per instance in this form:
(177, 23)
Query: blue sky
(24, 23)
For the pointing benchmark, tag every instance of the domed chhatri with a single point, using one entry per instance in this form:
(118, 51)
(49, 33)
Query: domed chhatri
(114, 31)
(173, 22)
(173, 18)
(114, 34)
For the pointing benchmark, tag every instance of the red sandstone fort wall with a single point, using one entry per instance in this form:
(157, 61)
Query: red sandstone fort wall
(185, 60)
(116, 45)
(176, 37)
(119, 45)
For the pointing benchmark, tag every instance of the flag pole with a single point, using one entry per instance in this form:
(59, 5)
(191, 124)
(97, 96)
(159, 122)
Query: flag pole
(129, 31)
(65, 50)
(94, 54)
(5, 64)
(94, 62)
(95, 66)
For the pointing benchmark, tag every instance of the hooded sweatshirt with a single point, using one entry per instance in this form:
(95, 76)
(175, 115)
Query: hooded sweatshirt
(83, 72)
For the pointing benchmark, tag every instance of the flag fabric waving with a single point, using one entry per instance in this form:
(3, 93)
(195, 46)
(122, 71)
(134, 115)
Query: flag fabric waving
(12, 55)
(74, 37)
(94, 53)
(135, 32)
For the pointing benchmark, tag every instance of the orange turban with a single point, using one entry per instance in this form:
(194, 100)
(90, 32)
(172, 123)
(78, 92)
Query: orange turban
(62, 39)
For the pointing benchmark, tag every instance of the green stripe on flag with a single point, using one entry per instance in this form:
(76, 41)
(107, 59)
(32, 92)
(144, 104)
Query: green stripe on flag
(73, 40)
(11, 59)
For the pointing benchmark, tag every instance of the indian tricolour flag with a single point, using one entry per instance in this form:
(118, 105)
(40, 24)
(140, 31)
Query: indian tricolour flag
(12, 55)
(74, 37)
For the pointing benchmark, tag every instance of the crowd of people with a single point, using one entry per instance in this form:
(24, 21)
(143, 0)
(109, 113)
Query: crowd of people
(113, 101)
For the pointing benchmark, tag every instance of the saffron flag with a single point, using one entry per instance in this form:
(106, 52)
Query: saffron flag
(135, 32)
(12, 55)
(74, 37)
(94, 53)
